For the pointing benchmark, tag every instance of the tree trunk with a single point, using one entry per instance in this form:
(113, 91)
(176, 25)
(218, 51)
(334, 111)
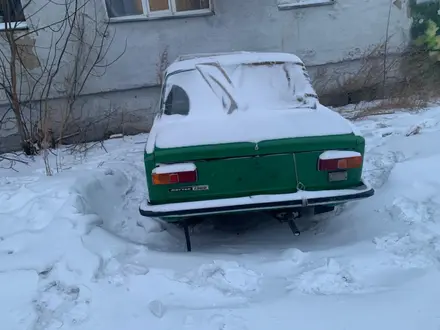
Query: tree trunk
(15, 103)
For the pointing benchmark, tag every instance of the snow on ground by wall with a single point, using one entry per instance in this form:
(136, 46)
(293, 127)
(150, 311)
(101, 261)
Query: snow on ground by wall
(75, 253)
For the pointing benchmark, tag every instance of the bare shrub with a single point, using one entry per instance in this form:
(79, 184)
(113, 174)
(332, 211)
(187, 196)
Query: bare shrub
(399, 84)
(8, 161)
(161, 65)
(32, 75)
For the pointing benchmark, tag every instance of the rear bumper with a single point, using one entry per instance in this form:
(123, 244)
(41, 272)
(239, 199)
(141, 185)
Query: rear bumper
(255, 203)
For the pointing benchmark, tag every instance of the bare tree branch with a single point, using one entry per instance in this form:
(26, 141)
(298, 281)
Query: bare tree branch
(77, 45)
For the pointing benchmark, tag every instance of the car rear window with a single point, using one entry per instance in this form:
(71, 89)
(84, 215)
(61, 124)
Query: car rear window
(177, 102)
(241, 87)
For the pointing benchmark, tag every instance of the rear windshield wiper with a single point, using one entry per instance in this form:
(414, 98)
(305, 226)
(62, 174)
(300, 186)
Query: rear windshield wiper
(209, 78)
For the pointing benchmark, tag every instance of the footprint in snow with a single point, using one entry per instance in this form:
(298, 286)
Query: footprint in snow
(226, 276)
(329, 279)
(378, 167)
(226, 322)
(157, 308)
(60, 304)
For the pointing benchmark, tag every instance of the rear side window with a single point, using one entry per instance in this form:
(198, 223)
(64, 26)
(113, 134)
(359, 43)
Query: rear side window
(177, 102)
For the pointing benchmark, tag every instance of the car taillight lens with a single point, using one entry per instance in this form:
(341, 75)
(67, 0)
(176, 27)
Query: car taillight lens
(177, 177)
(339, 163)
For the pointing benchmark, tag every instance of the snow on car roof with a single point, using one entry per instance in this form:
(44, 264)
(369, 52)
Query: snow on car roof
(188, 62)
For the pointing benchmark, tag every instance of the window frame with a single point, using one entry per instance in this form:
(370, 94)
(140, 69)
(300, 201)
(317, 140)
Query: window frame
(162, 14)
(164, 105)
(14, 25)
(163, 89)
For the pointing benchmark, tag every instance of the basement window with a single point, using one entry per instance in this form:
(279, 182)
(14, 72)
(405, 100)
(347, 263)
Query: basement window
(293, 4)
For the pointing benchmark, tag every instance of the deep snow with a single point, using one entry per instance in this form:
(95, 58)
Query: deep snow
(75, 253)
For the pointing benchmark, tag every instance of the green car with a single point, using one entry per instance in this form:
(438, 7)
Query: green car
(245, 132)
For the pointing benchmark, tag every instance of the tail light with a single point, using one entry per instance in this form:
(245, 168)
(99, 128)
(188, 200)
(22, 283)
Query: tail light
(174, 173)
(339, 160)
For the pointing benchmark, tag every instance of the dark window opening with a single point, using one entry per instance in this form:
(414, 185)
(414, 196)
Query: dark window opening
(186, 5)
(177, 102)
(11, 11)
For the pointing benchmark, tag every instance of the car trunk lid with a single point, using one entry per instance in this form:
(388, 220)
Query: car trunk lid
(244, 169)
(249, 126)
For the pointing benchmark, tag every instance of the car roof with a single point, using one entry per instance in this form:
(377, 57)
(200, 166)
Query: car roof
(189, 61)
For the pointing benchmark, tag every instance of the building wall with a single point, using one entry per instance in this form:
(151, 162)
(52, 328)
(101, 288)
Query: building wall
(331, 36)
(319, 35)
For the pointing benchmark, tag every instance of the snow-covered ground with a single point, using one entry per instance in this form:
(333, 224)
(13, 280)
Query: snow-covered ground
(75, 253)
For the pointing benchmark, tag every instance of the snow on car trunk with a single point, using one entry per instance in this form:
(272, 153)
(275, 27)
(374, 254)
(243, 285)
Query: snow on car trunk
(249, 127)
(75, 253)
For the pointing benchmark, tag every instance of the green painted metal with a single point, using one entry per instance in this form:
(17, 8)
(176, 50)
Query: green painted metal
(242, 149)
(243, 169)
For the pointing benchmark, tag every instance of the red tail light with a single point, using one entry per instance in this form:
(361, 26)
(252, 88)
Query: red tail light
(174, 173)
(339, 160)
